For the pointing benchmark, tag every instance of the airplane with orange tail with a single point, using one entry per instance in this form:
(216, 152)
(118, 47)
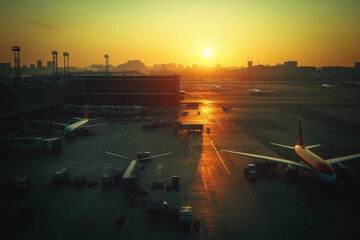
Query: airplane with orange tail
(319, 167)
(81, 125)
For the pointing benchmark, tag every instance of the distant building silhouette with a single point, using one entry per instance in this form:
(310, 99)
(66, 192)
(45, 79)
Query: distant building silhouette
(39, 64)
(5, 69)
(357, 65)
(131, 65)
(290, 64)
(250, 64)
(49, 65)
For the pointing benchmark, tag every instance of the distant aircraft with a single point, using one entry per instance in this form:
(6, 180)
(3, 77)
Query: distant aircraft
(254, 91)
(325, 86)
(218, 88)
(320, 168)
(81, 125)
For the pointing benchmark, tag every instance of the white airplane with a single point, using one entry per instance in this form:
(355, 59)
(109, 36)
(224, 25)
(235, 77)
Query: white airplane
(325, 86)
(320, 168)
(143, 158)
(254, 91)
(81, 125)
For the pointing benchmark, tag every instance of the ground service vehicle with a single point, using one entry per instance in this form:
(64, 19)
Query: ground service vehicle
(250, 172)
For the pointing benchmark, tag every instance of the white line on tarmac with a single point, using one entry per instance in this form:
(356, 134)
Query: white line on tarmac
(219, 157)
(127, 220)
(220, 124)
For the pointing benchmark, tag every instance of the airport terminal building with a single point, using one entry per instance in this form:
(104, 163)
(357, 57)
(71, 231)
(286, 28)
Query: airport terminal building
(127, 90)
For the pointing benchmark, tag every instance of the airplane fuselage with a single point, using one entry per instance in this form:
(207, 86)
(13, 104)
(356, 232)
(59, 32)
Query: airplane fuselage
(255, 91)
(75, 127)
(323, 170)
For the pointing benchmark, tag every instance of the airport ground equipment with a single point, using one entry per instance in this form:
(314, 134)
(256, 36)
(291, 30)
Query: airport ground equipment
(176, 182)
(158, 184)
(250, 172)
(185, 215)
(161, 208)
(31, 144)
(159, 123)
(37, 126)
(112, 179)
(226, 108)
(80, 178)
(60, 175)
(190, 127)
(63, 177)
(106, 179)
(103, 110)
(22, 183)
(11, 183)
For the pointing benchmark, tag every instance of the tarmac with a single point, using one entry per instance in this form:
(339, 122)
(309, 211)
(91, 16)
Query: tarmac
(226, 203)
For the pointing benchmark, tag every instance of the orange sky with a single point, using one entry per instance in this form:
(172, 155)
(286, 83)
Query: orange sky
(316, 32)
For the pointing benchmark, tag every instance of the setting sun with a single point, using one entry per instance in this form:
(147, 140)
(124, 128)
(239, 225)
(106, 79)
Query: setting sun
(207, 53)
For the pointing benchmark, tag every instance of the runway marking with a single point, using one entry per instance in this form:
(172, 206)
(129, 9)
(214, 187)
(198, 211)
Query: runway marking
(209, 199)
(127, 220)
(219, 124)
(312, 230)
(219, 157)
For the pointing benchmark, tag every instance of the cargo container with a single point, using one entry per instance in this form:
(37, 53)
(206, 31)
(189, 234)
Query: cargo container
(80, 178)
(30, 144)
(189, 127)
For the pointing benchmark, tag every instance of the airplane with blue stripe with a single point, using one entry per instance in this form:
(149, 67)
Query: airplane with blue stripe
(81, 125)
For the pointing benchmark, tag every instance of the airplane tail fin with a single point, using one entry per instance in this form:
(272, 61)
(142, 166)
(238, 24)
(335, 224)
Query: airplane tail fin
(300, 141)
(86, 113)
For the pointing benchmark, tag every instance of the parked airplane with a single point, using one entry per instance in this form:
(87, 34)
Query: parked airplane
(81, 125)
(254, 91)
(320, 168)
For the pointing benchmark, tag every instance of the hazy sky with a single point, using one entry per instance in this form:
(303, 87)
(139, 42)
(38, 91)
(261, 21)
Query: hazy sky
(313, 32)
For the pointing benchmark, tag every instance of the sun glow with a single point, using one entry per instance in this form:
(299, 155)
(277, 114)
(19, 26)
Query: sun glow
(207, 53)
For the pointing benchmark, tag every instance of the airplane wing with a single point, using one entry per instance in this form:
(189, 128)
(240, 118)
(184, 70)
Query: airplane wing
(118, 155)
(281, 145)
(94, 125)
(279, 160)
(160, 155)
(61, 124)
(93, 119)
(270, 91)
(291, 147)
(80, 119)
(312, 146)
(341, 159)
